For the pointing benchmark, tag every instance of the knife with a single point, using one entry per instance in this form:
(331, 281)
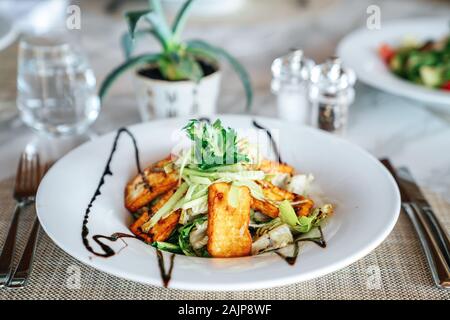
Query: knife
(432, 235)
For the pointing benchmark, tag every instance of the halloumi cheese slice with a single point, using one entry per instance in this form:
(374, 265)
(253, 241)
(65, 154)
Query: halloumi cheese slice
(228, 220)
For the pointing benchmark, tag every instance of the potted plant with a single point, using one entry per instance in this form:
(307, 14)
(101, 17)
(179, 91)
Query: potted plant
(183, 78)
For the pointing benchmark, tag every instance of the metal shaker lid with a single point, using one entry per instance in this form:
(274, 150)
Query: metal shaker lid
(331, 77)
(291, 69)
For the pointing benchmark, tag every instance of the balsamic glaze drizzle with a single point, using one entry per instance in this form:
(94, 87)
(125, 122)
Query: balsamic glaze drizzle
(165, 276)
(272, 140)
(107, 251)
(318, 241)
(113, 238)
(290, 260)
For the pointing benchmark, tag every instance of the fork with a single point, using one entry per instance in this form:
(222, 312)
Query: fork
(21, 274)
(28, 176)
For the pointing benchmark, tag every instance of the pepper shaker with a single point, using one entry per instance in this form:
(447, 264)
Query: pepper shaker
(290, 83)
(331, 93)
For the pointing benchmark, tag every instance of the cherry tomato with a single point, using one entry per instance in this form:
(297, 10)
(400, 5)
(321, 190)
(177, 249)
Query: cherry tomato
(386, 52)
(446, 86)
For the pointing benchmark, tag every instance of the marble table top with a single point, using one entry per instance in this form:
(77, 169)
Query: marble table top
(409, 133)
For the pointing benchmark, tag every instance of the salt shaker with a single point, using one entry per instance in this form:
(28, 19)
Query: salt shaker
(331, 93)
(290, 84)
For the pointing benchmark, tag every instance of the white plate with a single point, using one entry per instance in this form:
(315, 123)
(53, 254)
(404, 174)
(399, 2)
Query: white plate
(359, 51)
(366, 198)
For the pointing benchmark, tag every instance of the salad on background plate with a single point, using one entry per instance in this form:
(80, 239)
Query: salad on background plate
(424, 63)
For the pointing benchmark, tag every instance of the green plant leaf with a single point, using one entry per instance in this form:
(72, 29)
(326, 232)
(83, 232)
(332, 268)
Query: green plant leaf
(133, 18)
(177, 66)
(202, 54)
(156, 6)
(180, 19)
(240, 70)
(133, 62)
(128, 42)
(161, 29)
(154, 16)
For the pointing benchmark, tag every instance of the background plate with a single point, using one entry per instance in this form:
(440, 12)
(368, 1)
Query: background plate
(359, 51)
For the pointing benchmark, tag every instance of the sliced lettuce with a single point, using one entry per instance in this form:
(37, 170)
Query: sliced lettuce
(200, 180)
(303, 224)
(199, 202)
(255, 189)
(287, 213)
(198, 236)
(184, 238)
(232, 176)
(213, 145)
(167, 208)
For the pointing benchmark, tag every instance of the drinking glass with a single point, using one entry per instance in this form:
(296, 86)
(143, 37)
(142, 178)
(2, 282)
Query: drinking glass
(56, 86)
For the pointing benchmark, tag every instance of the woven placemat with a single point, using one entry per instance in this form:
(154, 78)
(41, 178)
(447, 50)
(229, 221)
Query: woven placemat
(397, 269)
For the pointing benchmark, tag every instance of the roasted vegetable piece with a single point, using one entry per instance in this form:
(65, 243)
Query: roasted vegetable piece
(304, 208)
(275, 238)
(164, 228)
(273, 167)
(274, 193)
(265, 207)
(136, 226)
(160, 230)
(228, 220)
(139, 193)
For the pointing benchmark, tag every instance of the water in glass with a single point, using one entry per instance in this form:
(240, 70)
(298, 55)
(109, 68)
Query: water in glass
(56, 87)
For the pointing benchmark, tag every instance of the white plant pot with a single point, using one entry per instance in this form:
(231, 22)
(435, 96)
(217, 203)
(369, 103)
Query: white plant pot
(166, 99)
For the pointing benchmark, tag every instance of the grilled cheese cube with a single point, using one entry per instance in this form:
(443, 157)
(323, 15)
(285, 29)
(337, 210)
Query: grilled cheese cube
(139, 193)
(273, 167)
(228, 234)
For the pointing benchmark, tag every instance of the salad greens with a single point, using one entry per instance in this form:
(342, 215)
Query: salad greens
(184, 238)
(214, 145)
(167, 246)
(303, 224)
(425, 63)
(217, 156)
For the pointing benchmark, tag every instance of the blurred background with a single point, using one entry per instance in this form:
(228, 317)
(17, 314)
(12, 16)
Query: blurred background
(255, 32)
